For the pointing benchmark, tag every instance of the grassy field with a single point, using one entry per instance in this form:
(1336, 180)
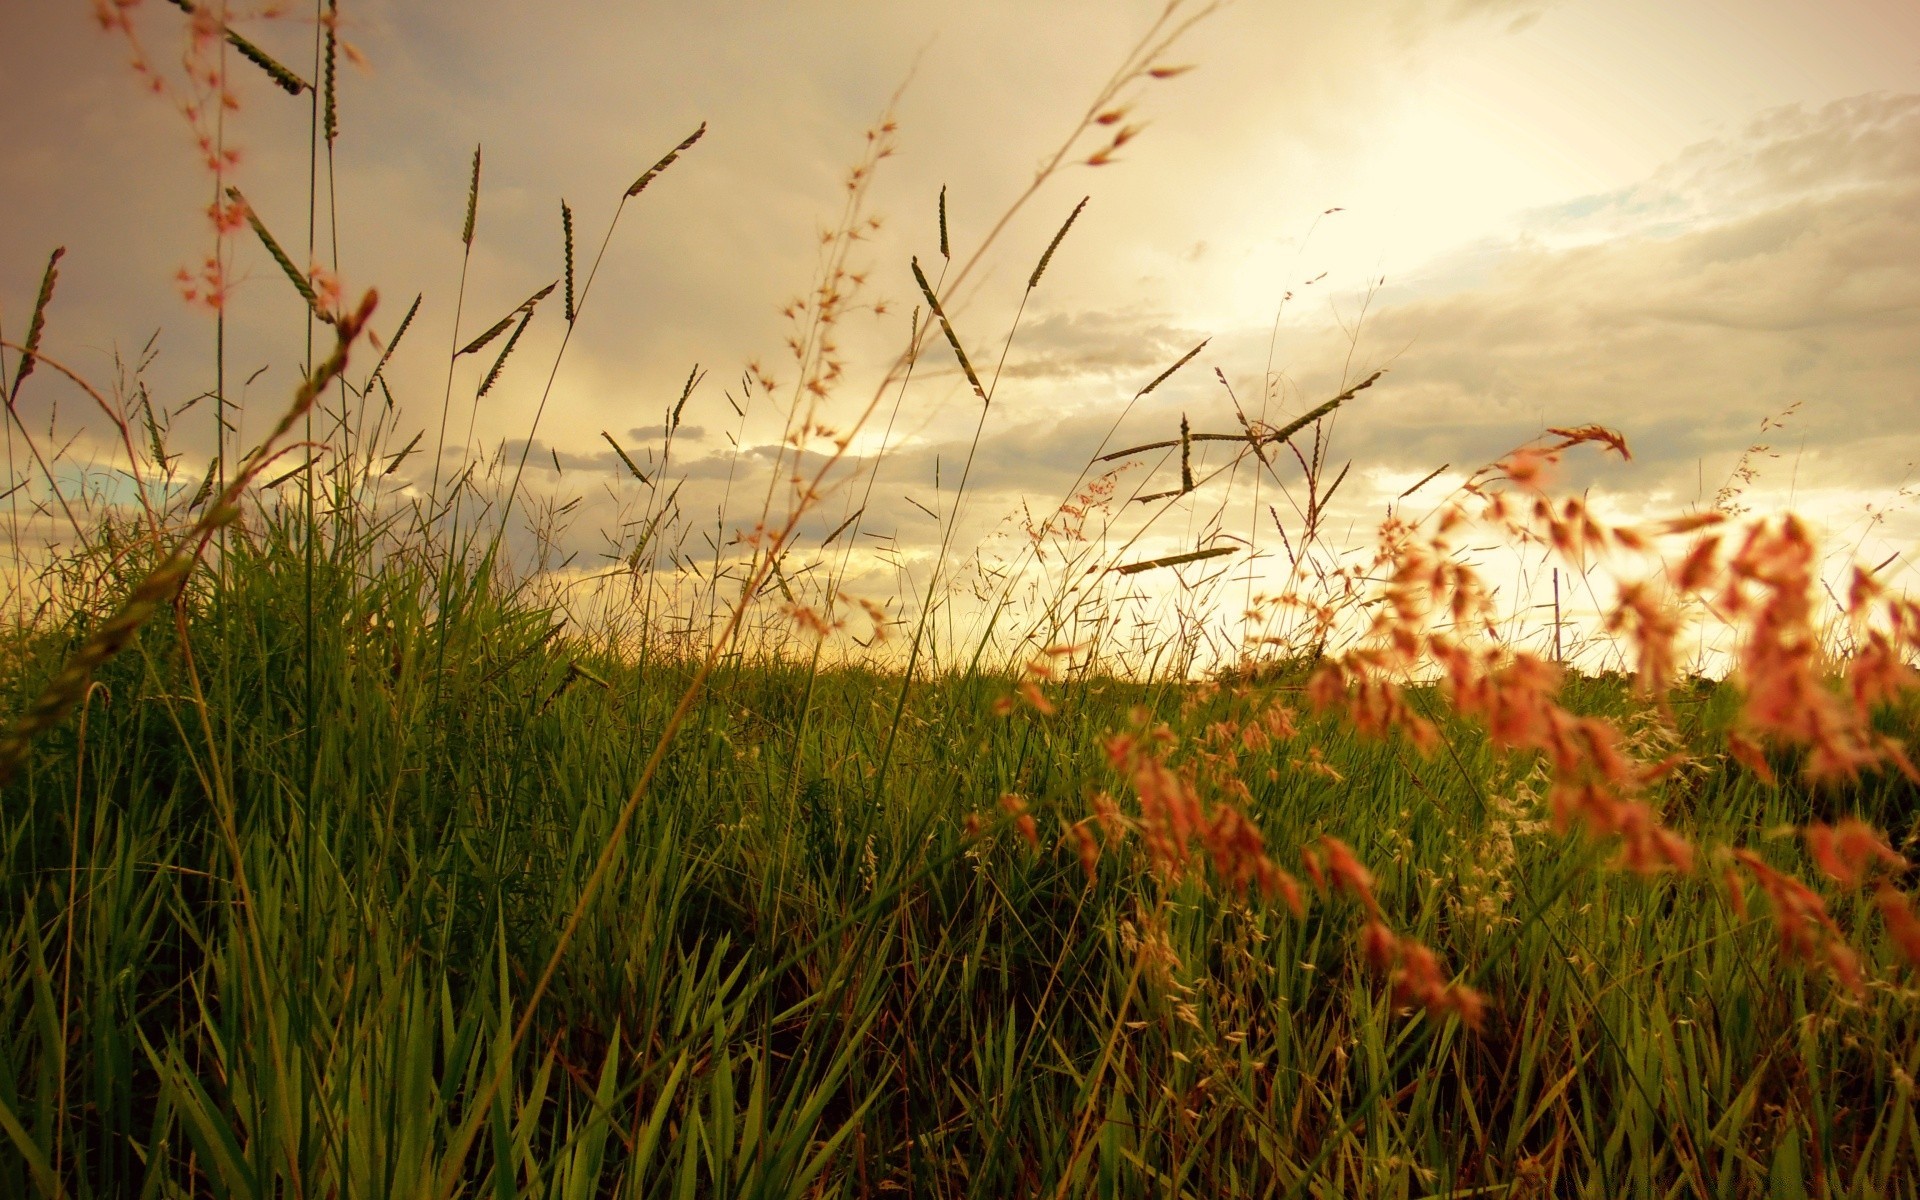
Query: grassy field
(343, 858)
(235, 970)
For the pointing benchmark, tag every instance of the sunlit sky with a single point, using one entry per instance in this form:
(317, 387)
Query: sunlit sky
(1675, 217)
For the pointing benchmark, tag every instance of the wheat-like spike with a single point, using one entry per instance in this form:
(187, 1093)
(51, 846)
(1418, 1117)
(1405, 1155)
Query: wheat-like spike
(637, 473)
(69, 686)
(473, 200)
(393, 464)
(842, 527)
(566, 232)
(640, 184)
(1167, 374)
(1279, 435)
(301, 283)
(1321, 504)
(156, 439)
(946, 326)
(1297, 424)
(281, 478)
(1247, 430)
(206, 484)
(943, 222)
(646, 535)
(493, 331)
(1173, 560)
(393, 343)
(1186, 455)
(1424, 481)
(331, 115)
(499, 327)
(38, 324)
(1041, 268)
(486, 384)
(289, 83)
(693, 381)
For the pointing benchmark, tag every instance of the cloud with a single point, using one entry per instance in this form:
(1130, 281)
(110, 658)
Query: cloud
(1098, 345)
(1784, 269)
(1776, 263)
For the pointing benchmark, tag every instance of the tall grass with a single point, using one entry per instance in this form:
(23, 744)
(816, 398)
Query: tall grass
(370, 859)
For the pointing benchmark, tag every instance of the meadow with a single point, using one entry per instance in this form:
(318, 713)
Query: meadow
(353, 849)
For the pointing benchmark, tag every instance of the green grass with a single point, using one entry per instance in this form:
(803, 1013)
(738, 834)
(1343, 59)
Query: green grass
(793, 985)
(280, 895)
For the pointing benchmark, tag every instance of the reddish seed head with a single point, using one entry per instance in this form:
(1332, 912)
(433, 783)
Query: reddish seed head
(1849, 850)
(1379, 946)
(1902, 926)
(1028, 830)
(1088, 848)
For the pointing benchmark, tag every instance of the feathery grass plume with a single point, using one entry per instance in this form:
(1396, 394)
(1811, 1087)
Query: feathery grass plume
(393, 343)
(1173, 560)
(38, 324)
(330, 114)
(70, 685)
(944, 252)
(640, 184)
(473, 200)
(566, 231)
(525, 307)
(486, 385)
(637, 473)
(1033, 281)
(297, 277)
(946, 327)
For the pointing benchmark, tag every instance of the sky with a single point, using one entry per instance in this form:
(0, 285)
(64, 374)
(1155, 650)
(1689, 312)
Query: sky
(1684, 219)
